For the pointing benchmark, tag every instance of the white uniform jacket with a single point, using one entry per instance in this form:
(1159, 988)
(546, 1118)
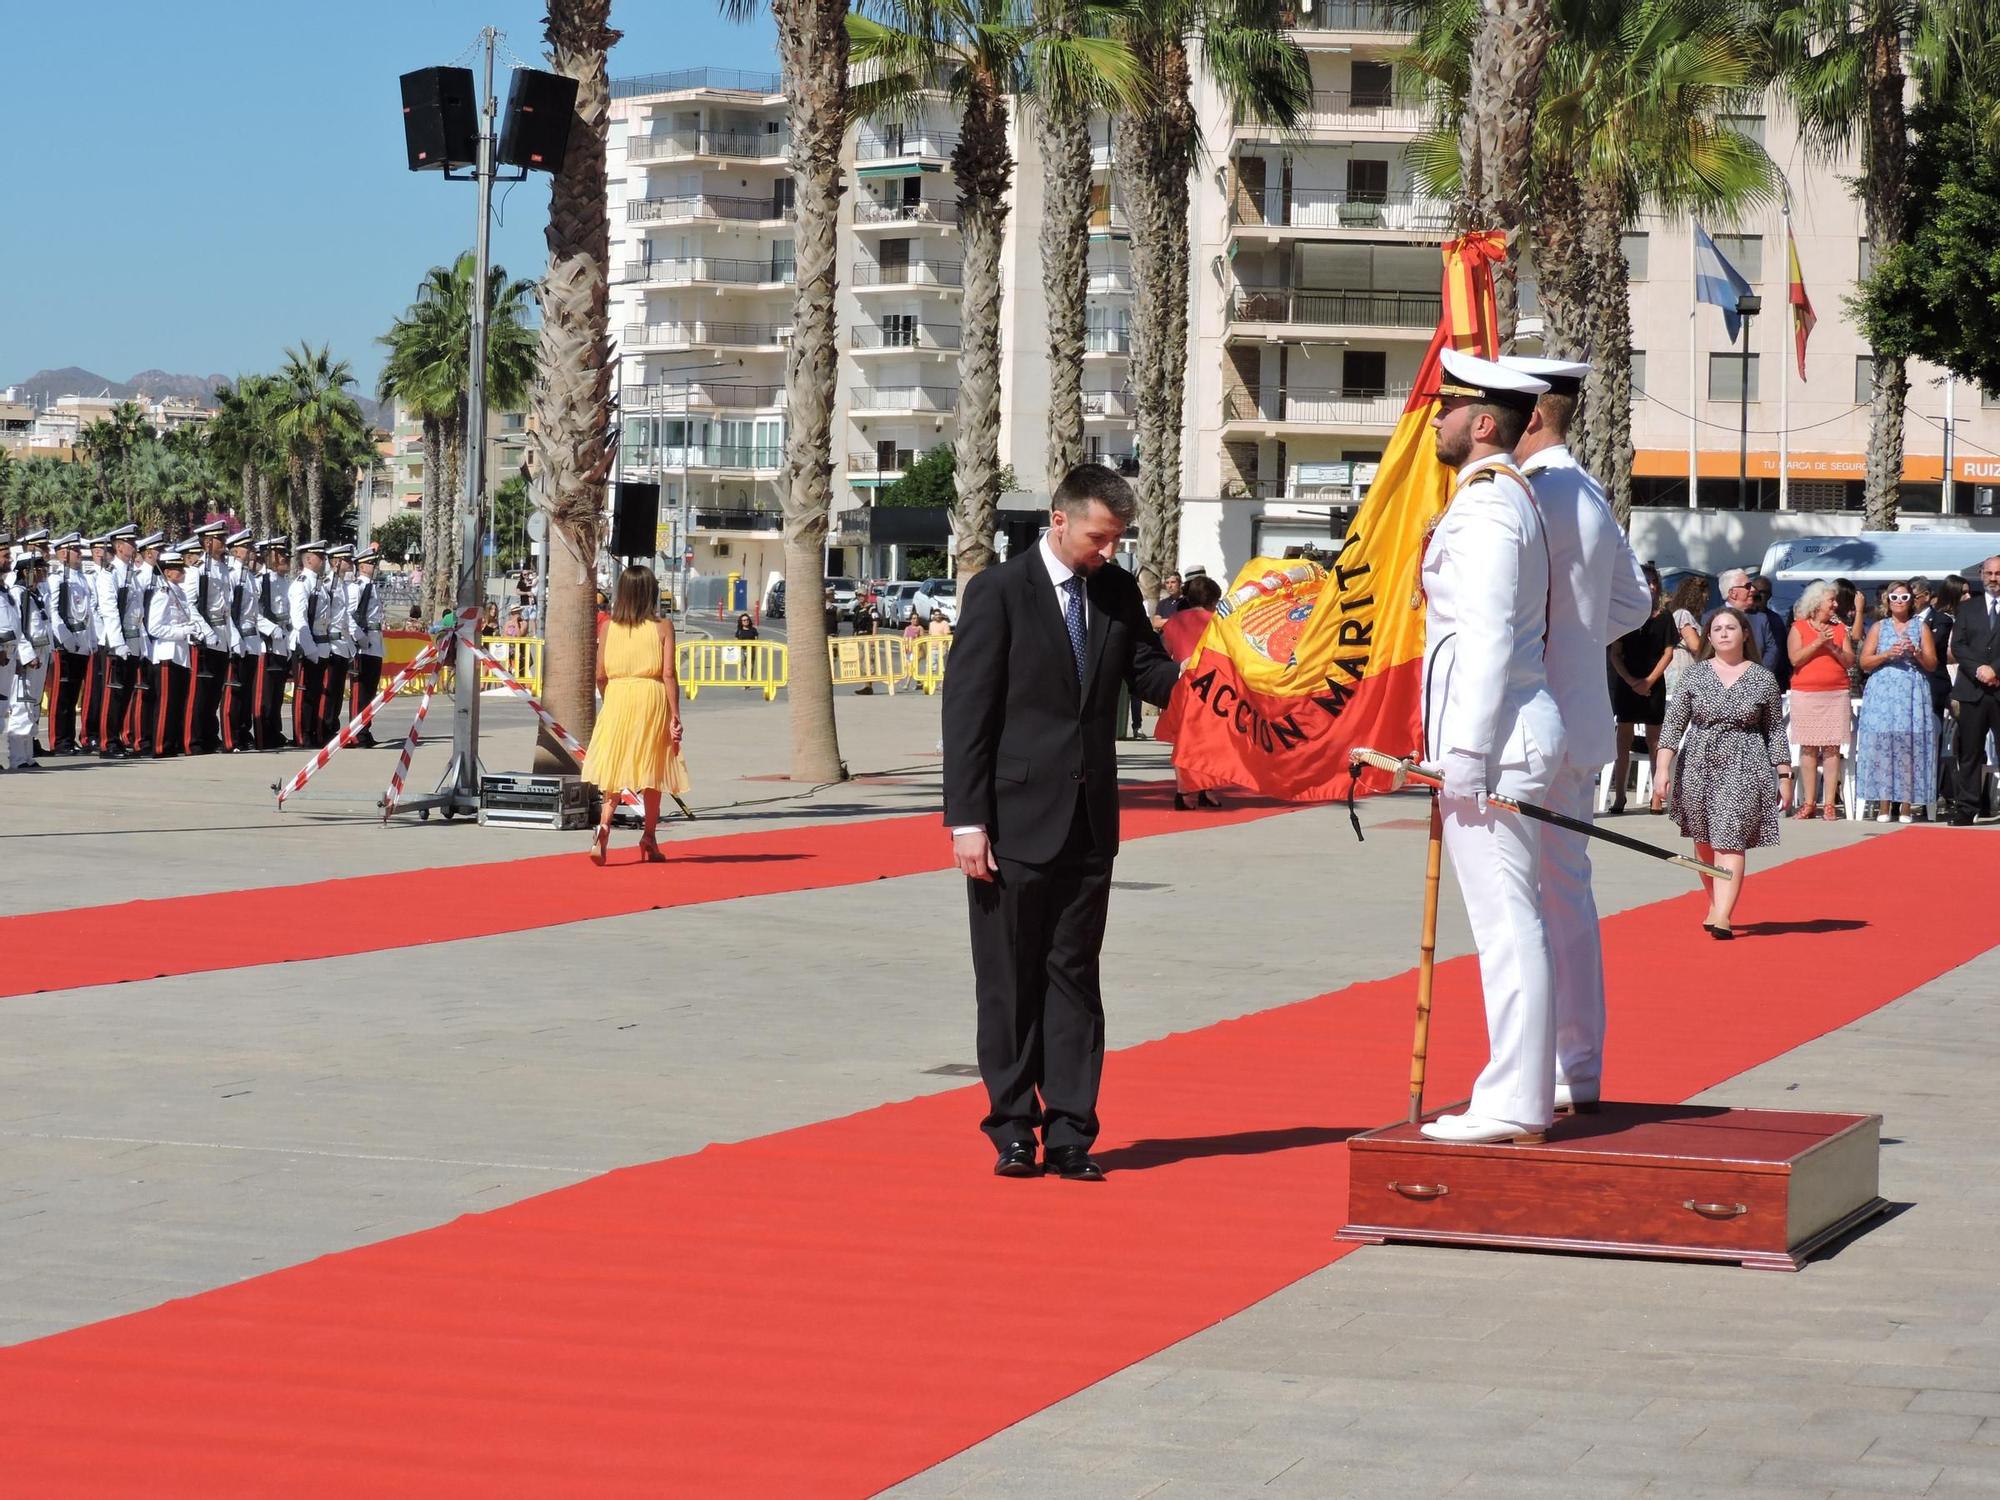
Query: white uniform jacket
(309, 616)
(1600, 594)
(369, 612)
(1486, 587)
(274, 613)
(36, 609)
(245, 635)
(206, 585)
(74, 601)
(340, 616)
(111, 591)
(15, 649)
(172, 624)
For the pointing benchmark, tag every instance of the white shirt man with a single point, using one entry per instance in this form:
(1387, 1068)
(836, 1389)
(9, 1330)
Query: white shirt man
(312, 644)
(1600, 594)
(21, 702)
(72, 599)
(1491, 724)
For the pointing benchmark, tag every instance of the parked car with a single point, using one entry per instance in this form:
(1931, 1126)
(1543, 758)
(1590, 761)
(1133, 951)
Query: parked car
(1871, 559)
(774, 602)
(933, 595)
(896, 600)
(843, 597)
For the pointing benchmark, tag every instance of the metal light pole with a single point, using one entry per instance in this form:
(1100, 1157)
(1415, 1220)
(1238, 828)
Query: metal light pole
(1748, 305)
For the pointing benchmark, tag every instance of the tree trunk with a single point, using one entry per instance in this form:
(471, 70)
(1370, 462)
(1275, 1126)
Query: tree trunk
(316, 492)
(1064, 133)
(812, 51)
(1563, 276)
(267, 511)
(1885, 191)
(1606, 450)
(576, 443)
(1494, 140)
(985, 170)
(431, 517)
(248, 475)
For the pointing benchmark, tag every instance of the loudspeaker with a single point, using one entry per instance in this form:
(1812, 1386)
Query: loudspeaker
(539, 109)
(440, 118)
(635, 519)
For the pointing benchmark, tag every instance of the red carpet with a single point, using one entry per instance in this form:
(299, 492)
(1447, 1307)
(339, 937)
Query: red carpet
(59, 950)
(831, 1309)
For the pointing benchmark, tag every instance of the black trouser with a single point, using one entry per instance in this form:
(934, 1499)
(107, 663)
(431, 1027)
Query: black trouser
(367, 683)
(70, 668)
(330, 700)
(91, 705)
(1977, 717)
(305, 700)
(1036, 934)
(211, 672)
(119, 674)
(169, 711)
(239, 703)
(149, 706)
(275, 671)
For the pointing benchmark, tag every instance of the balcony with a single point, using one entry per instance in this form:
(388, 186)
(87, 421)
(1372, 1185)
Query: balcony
(922, 338)
(698, 395)
(890, 400)
(1102, 155)
(907, 145)
(700, 270)
(1110, 221)
(1126, 464)
(865, 465)
(710, 145)
(739, 522)
(1417, 312)
(705, 335)
(1108, 406)
(1348, 112)
(1395, 212)
(944, 275)
(708, 208)
(939, 213)
(685, 80)
(674, 458)
(1114, 343)
(1316, 19)
(1105, 281)
(1290, 408)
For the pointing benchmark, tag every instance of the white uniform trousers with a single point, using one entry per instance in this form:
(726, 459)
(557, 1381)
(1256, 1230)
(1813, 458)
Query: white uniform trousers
(24, 709)
(1497, 857)
(1575, 951)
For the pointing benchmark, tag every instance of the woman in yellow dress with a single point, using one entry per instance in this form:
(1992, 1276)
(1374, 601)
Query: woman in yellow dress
(636, 744)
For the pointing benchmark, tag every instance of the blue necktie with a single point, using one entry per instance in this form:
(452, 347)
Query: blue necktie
(1072, 588)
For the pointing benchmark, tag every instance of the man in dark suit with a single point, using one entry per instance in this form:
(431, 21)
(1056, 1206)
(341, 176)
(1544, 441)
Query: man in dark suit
(1975, 693)
(1031, 797)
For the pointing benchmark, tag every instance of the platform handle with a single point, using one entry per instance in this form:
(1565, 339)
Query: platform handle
(1717, 1210)
(1419, 1189)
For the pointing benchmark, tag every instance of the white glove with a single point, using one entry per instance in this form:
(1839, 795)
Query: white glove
(1465, 778)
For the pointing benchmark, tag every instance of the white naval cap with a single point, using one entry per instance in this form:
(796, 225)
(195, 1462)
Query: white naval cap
(171, 558)
(1486, 380)
(238, 538)
(1565, 376)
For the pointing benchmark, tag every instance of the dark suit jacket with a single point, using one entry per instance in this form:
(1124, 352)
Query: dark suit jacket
(1942, 625)
(1020, 738)
(1975, 643)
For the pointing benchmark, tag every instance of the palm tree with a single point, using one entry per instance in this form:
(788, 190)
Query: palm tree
(575, 436)
(1497, 133)
(429, 370)
(1263, 74)
(242, 441)
(98, 441)
(982, 52)
(315, 413)
(131, 432)
(813, 55)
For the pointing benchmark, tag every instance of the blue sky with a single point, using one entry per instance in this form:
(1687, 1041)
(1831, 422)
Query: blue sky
(193, 187)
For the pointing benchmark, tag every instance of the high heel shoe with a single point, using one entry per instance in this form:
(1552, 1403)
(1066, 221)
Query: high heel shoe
(649, 853)
(1202, 799)
(1719, 933)
(1180, 802)
(1806, 810)
(599, 842)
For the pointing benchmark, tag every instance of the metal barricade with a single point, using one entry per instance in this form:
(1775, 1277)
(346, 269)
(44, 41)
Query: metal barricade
(761, 665)
(863, 659)
(522, 656)
(924, 660)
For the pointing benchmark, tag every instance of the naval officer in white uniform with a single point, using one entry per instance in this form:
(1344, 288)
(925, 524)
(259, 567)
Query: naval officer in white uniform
(1492, 725)
(1600, 594)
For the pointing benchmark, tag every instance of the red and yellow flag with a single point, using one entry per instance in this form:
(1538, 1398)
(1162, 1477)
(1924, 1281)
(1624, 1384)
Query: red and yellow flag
(1302, 662)
(1802, 308)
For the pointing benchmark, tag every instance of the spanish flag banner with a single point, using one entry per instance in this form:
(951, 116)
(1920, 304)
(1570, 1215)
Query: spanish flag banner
(1302, 662)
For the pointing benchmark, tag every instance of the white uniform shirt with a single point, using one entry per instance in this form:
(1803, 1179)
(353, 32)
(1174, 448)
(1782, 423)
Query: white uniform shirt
(171, 623)
(1486, 587)
(340, 615)
(37, 611)
(106, 583)
(73, 600)
(206, 585)
(368, 611)
(1600, 594)
(15, 648)
(244, 639)
(274, 612)
(309, 615)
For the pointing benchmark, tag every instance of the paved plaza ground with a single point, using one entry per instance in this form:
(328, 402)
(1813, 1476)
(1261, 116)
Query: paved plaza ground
(164, 1137)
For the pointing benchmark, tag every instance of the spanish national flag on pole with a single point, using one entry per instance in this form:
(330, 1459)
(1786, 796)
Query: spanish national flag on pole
(1303, 662)
(1795, 292)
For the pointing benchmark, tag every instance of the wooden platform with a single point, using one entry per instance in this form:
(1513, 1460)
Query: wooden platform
(1761, 1187)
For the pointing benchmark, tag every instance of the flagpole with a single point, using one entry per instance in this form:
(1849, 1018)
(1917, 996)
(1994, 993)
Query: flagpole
(1694, 359)
(1785, 356)
(1426, 960)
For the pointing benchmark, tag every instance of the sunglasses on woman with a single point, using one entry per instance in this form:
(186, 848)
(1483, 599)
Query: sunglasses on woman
(1897, 598)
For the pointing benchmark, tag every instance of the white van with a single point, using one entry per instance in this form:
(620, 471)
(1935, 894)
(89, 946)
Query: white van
(1871, 559)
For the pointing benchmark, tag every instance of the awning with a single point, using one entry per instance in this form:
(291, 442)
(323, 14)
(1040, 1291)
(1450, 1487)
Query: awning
(898, 169)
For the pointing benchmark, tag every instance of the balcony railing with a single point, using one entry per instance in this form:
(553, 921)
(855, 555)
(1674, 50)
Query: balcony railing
(1112, 218)
(1344, 15)
(916, 273)
(676, 396)
(1107, 341)
(923, 211)
(1110, 404)
(935, 144)
(720, 456)
(927, 398)
(741, 520)
(706, 206)
(671, 145)
(1104, 280)
(691, 335)
(1118, 463)
(872, 463)
(923, 337)
(1348, 110)
(684, 271)
(723, 80)
(1365, 309)
(1340, 208)
(1327, 408)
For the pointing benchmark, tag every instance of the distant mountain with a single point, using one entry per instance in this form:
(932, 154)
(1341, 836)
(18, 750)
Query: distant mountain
(44, 386)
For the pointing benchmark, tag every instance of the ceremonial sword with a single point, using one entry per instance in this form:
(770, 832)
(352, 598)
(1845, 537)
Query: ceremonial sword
(1404, 770)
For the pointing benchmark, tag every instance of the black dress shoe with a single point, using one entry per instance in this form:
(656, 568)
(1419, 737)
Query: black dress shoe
(1072, 1164)
(1017, 1160)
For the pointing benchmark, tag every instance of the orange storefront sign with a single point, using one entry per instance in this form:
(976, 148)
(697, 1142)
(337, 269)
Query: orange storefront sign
(1919, 468)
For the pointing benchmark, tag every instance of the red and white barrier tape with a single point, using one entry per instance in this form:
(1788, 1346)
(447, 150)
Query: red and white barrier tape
(410, 743)
(519, 689)
(424, 661)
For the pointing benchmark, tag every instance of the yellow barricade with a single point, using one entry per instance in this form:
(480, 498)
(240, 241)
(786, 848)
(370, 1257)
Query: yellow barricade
(924, 660)
(763, 665)
(522, 655)
(866, 658)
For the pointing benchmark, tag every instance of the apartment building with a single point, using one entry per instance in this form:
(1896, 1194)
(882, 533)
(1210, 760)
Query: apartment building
(401, 486)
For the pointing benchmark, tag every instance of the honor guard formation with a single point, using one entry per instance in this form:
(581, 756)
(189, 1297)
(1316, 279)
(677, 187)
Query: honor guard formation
(147, 649)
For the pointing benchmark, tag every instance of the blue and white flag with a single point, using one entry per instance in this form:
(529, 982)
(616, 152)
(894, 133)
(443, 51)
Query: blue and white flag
(1717, 281)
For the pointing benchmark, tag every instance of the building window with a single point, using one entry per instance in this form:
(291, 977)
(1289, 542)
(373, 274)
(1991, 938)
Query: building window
(1989, 398)
(1367, 181)
(1373, 85)
(1364, 372)
(1864, 262)
(1864, 379)
(1750, 126)
(1725, 377)
(1745, 252)
(1636, 247)
(1638, 373)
